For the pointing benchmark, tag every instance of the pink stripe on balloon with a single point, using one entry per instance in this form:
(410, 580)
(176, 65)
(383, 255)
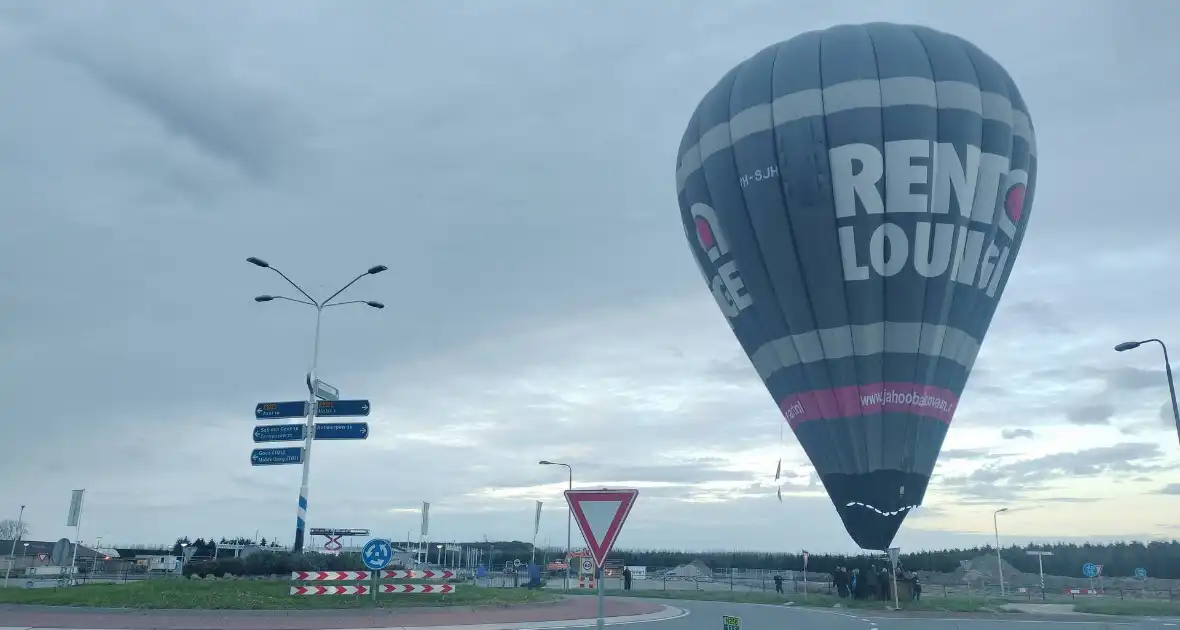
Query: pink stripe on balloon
(862, 400)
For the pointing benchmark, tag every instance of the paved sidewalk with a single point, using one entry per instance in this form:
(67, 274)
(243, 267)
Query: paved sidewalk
(568, 612)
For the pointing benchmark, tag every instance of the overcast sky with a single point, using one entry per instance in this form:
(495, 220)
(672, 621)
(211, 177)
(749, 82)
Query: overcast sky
(513, 164)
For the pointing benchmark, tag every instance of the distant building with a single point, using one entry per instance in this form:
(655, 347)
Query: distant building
(38, 553)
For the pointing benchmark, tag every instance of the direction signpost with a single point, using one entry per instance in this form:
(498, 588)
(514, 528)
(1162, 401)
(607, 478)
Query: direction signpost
(600, 515)
(276, 456)
(341, 430)
(327, 405)
(1040, 566)
(341, 408)
(278, 432)
(289, 409)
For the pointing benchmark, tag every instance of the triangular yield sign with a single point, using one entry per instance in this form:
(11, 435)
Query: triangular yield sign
(600, 515)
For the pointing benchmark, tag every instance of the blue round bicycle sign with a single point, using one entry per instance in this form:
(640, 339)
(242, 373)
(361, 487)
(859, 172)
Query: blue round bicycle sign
(377, 554)
(1090, 570)
(1141, 573)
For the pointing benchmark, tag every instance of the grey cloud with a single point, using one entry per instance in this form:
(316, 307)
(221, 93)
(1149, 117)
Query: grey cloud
(1172, 488)
(965, 454)
(1098, 413)
(1013, 479)
(1012, 434)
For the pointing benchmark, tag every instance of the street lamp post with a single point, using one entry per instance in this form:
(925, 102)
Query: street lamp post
(94, 565)
(1131, 345)
(20, 529)
(568, 520)
(309, 432)
(999, 560)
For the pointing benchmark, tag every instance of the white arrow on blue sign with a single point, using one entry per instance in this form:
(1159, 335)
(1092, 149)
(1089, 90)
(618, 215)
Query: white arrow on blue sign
(377, 554)
(342, 430)
(1141, 573)
(1090, 570)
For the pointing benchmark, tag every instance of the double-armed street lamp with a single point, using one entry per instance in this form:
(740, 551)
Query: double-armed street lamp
(309, 432)
(1131, 345)
(568, 519)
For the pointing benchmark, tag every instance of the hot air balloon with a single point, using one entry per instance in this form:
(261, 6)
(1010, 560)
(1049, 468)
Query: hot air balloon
(855, 199)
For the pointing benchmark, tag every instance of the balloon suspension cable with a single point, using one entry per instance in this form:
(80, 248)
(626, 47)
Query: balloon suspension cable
(894, 513)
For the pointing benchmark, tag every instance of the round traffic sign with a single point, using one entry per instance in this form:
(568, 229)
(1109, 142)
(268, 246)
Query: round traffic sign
(377, 554)
(516, 562)
(587, 565)
(1090, 570)
(1141, 573)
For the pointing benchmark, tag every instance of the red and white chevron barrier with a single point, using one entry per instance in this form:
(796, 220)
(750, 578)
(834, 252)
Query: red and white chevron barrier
(331, 576)
(330, 590)
(400, 589)
(400, 574)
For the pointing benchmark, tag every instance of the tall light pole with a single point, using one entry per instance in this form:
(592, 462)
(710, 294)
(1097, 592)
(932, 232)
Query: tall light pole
(999, 560)
(20, 531)
(568, 520)
(1131, 345)
(309, 432)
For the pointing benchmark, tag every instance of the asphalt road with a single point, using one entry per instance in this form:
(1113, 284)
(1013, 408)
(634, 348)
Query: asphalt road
(707, 616)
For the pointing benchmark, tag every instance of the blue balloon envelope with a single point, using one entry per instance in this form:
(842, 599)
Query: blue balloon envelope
(855, 199)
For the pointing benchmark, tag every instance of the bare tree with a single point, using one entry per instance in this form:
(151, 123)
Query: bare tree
(11, 529)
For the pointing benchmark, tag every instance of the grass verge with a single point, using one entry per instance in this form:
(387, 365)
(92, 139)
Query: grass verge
(252, 595)
(944, 604)
(1129, 607)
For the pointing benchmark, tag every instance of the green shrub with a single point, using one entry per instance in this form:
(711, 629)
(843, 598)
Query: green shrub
(278, 563)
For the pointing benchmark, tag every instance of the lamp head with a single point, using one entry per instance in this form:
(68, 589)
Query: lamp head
(1127, 345)
(258, 262)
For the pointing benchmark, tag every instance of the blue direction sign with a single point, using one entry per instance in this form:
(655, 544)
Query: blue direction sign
(329, 408)
(276, 456)
(279, 432)
(1141, 573)
(291, 409)
(1090, 570)
(341, 430)
(377, 554)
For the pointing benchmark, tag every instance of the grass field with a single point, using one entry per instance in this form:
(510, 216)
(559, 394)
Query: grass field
(251, 595)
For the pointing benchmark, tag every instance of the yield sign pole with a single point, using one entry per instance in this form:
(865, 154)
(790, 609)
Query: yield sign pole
(600, 515)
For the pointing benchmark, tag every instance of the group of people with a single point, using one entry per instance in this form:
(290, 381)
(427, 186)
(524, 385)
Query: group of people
(872, 583)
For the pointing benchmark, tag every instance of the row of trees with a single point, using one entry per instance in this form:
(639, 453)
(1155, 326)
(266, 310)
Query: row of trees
(203, 548)
(13, 529)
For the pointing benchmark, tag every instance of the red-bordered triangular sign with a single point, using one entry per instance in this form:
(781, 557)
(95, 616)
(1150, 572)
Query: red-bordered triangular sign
(600, 515)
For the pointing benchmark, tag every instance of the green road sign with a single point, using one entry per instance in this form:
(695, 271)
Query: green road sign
(731, 623)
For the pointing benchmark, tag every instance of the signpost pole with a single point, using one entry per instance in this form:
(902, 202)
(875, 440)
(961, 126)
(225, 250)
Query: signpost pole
(601, 598)
(308, 434)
